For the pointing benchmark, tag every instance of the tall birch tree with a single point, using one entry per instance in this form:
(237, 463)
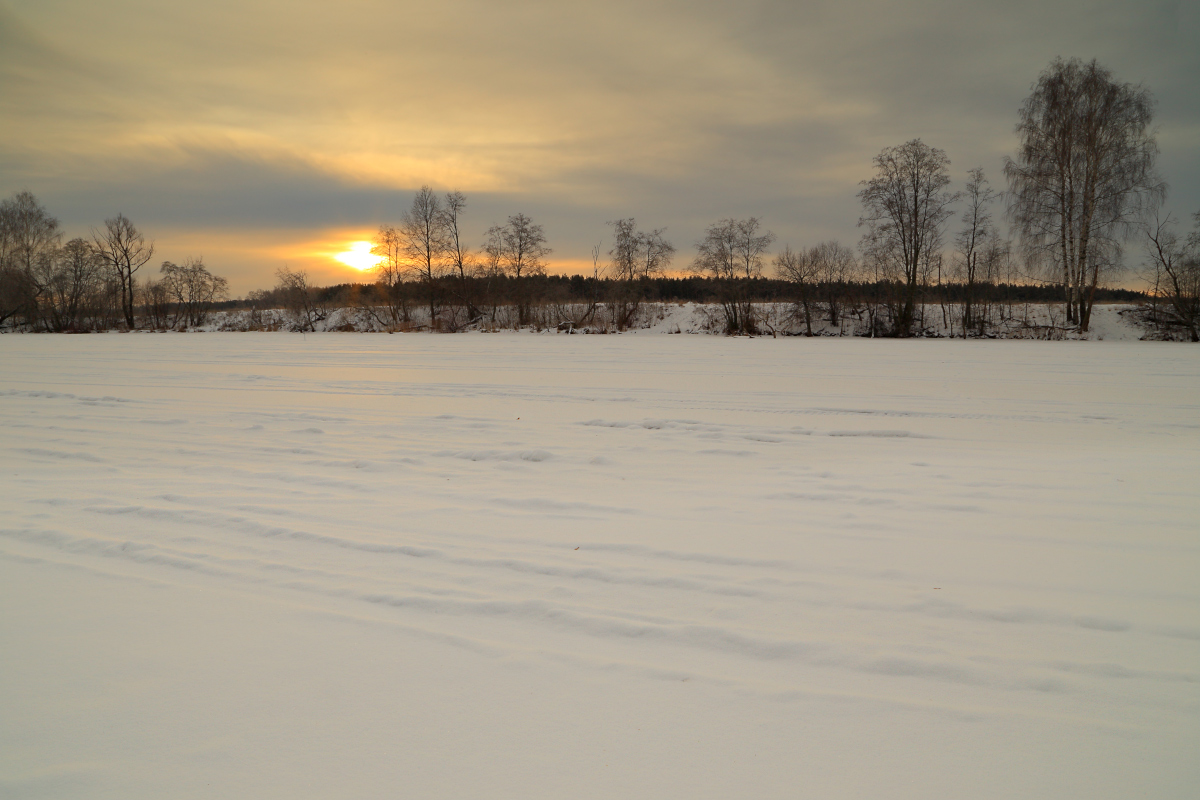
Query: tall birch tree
(1083, 177)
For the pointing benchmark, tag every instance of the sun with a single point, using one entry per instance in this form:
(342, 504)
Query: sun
(359, 256)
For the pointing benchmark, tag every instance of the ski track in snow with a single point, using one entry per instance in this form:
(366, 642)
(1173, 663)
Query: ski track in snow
(982, 530)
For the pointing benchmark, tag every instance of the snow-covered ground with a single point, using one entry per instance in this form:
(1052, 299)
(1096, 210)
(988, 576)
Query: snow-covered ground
(358, 566)
(1109, 322)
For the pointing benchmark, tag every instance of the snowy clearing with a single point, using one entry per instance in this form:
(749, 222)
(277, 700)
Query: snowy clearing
(281, 566)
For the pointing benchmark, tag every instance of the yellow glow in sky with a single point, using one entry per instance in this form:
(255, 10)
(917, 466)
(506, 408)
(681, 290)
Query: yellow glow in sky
(359, 256)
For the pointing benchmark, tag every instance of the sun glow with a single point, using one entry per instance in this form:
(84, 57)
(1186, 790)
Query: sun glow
(359, 256)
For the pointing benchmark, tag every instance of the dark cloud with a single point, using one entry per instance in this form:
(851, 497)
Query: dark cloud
(222, 190)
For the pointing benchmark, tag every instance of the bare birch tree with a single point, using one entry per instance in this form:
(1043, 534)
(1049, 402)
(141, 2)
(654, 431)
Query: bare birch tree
(636, 255)
(731, 253)
(460, 259)
(715, 257)
(972, 241)
(905, 207)
(492, 269)
(1083, 176)
(522, 252)
(423, 241)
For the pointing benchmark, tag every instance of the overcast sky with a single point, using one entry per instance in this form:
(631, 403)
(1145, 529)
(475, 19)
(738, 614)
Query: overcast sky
(259, 132)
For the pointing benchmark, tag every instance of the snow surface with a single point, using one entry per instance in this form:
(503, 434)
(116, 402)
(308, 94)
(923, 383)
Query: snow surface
(355, 566)
(1111, 322)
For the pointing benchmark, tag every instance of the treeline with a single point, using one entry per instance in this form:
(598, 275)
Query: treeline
(92, 284)
(95, 284)
(1079, 189)
(580, 289)
(776, 305)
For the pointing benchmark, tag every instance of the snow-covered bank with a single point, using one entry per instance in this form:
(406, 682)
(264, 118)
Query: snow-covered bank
(260, 565)
(1110, 322)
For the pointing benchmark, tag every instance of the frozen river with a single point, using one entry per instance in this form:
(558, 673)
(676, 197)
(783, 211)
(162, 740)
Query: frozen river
(518, 566)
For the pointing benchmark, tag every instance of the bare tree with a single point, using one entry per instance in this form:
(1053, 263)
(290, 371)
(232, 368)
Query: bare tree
(193, 290)
(297, 298)
(423, 242)
(72, 286)
(13, 294)
(29, 239)
(9, 277)
(905, 207)
(31, 233)
(623, 255)
(492, 269)
(715, 256)
(973, 240)
(834, 266)
(109, 305)
(821, 275)
(994, 267)
(731, 253)
(636, 255)
(1175, 272)
(520, 250)
(799, 270)
(1083, 176)
(459, 257)
(390, 272)
(156, 303)
(124, 250)
(877, 274)
(593, 304)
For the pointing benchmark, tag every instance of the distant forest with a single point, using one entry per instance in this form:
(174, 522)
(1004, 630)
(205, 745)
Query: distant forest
(580, 289)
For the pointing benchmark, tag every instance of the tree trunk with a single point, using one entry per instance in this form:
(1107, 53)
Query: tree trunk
(967, 308)
(127, 298)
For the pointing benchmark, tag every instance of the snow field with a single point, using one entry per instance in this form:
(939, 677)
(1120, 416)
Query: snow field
(273, 565)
